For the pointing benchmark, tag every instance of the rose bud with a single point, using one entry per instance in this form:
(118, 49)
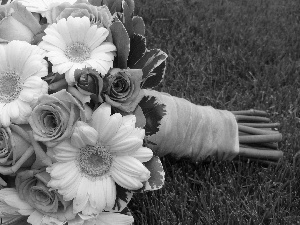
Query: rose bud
(88, 81)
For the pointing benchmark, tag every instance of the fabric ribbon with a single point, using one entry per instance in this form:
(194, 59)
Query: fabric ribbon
(194, 131)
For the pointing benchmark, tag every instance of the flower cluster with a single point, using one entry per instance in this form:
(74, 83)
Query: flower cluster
(72, 150)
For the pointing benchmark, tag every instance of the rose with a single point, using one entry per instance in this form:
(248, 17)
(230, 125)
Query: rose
(53, 117)
(122, 88)
(16, 23)
(31, 186)
(12, 147)
(88, 81)
(99, 15)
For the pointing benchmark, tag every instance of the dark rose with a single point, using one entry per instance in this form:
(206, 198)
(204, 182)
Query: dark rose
(122, 88)
(12, 147)
(88, 81)
(32, 187)
(53, 117)
(13, 26)
(98, 15)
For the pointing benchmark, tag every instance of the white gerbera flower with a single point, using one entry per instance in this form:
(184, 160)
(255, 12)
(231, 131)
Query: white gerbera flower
(97, 156)
(74, 44)
(21, 68)
(42, 6)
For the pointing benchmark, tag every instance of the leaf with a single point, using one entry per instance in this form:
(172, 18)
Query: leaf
(153, 112)
(130, 4)
(128, 19)
(155, 77)
(25, 17)
(122, 42)
(98, 2)
(113, 5)
(137, 49)
(157, 178)
(126, 211)
(140, 117)
(122, 199)
(138, 25)
(150, 60)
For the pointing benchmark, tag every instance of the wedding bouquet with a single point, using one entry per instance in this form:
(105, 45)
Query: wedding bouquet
(65, 157)
(79, 117)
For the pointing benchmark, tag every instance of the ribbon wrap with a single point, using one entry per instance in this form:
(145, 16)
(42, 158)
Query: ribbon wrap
(194, 131)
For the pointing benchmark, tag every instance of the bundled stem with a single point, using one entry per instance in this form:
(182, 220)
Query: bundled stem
(258, 137)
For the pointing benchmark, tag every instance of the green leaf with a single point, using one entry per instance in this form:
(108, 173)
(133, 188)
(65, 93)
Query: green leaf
(128, 19)
(150, 60)
(122, 42)
(155, 58)
(137, 49)
(138, 25)
(126, 211)
(153, 112)
(155, 77)
(25, 17)
(157, 179)
(130, 4)
(98, 2)
(140, 117)
(114, 5)
(122, 199)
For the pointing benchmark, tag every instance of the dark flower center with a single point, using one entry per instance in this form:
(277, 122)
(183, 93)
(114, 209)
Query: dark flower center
(94, 161)
(10, 86)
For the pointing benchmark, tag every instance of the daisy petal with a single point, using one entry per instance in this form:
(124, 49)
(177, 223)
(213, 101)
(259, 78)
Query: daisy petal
(114, 219)
(143, 154)
(131, 167)
(101, 117)
(111, 128)
(125, 181)
(110, 192)
(81, 198)
(13, 110)
(126, 146)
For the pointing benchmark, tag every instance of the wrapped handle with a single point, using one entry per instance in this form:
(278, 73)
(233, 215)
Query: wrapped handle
(194, 131)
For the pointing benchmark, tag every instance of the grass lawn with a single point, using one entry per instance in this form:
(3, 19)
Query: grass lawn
(234, 55)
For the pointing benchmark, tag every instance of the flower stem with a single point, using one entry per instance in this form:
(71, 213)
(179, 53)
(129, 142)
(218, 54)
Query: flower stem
(251, 112)
(252, 130)
(272, 155)
(257, 136)
(252, 118)
(260, 138)
(261, 125)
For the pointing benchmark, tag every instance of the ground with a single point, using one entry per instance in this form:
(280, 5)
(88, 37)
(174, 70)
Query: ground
(234, 55)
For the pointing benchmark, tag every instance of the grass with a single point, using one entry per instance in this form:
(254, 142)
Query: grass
(234, 55)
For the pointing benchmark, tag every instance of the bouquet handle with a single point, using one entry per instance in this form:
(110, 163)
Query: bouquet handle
(201, 132)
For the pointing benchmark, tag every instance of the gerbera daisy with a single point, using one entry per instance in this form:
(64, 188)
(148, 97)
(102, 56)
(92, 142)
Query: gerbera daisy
(97, 156)
(42, 6)
(21, 68)
(74, 43)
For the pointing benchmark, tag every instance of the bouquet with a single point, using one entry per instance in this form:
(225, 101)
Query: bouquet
(81, 127)
(65, 158)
